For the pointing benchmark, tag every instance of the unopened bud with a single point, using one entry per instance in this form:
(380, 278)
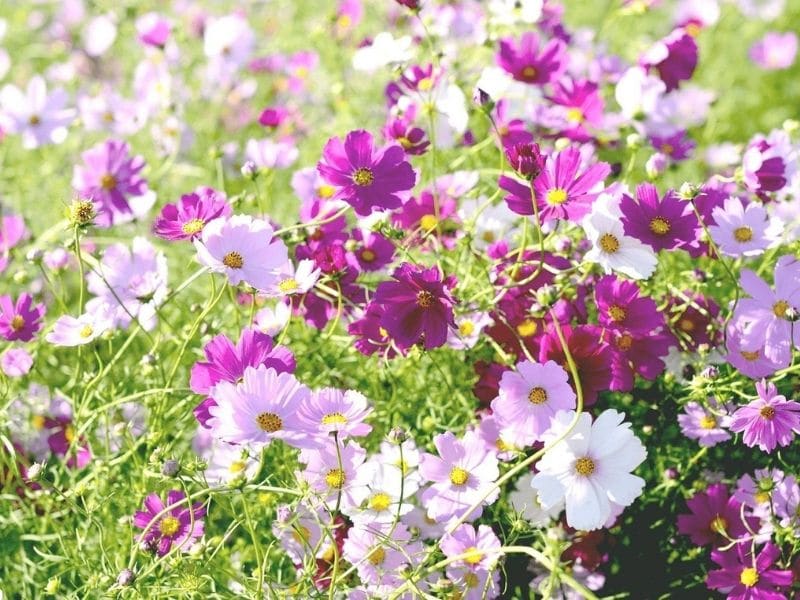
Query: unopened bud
(125, 578)
(170, 468)
(398, 435)
(688, 191)
(250, 170)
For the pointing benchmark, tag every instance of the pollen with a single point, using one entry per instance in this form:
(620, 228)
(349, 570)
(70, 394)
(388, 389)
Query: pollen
(233, 260)
(108, 182)
(749, 577)
(335, 478)
(288, 285)
(584, 466)
(767, 412)
(86, 331)
(609, 243)
(269, 422)
(169, 526)
(424, 299)
(301, 534)
(17, 323)
(458, 476)
(428, 222)
(326, 191)
(617, 313)
(34, 120)
(81, 212)
(380, 502)
(708, 422)
(38, 421)
(69, 433)
(472, 555)
(377, 556)
(624, 342)
(743, 234)
(471, 580)
(237, 466)
(367, 255)
(750, 355)
(718, 524)
(527, 328)
(686, 325)
(335, 418)
(537, 395)
(780, 308)
(425, 84)
(529, 72)
(556, 196)
(193, 226)
(363, 176)
(660, 226)
(466, 328)
(575, 115)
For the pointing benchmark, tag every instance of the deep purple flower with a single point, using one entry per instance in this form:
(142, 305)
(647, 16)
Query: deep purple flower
(526, 159)
(370, 336)
(181, 525)
(61, 438)
(365, 177)
(677, 146)
(637, 353)
(674, 57)
(371, 251)
(185, 219)
(747, 577)
(768, 421)
(419, 306)
(413, 139)
(579, 106)
(663, 224)
(715, 517)
(20, 320)
(527, 62)
(766, 163)
(110, 177)
(621, 307)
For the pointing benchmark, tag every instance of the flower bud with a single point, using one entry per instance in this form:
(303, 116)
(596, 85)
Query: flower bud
(250, 170)
(125, 578)
(481, 98)
(170, 468)
(688, 191)
(81, 212)
(398, 435)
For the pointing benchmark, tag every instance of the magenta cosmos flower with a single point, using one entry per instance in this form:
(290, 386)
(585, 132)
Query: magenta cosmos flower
(181, 525)
(526, 61)
(460, 476)
(20, 320)
(620, 306)
(674, 57)
(262, 407)
(110, 177)
(529, 399)
(365, 177)
(186, 219)
(12, 232)
(330, 410)
(744, 576)
(714, 518)
(563, 190)
(662, 223)
(768, 421)
(419, 306)
(242, 248)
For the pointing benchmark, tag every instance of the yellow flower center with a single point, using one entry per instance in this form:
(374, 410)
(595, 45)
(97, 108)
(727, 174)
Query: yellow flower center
(529, 72)
(767, 412)
(471, 580)
(743, 234)
(780, 308)
(761, 497)
(556, 196)
(458, 476)
(708, 422)
(86, 331)
(617, 313)
(334, 419)
(377, 556)
(624, 342)
(326, 191)
(686, 325)
(193, 226)
(609, 243)
(108, 182)
(660, 226)
(693, 29)
(575, 115)
(425, 84)
(69, 433)
(466, 328)
(428, 222)
(380, 502)
(233, 260)
(749, 577)
(38, 421)
(668, 149)
(718, 524)
(269, 422)
(537, 395)
(363, 176)
(169, 526)
(750, 355)
(472, 555)
(367, 255)
(584, 466)
(288, 285)
(237, 466)
(424, 299)
(335, 478)
(17, 322)
(34, 120)
(527, 328)
(301, 534)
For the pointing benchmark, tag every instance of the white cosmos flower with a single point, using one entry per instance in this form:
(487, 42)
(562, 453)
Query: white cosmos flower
(525, 501)
(389, 495)
(590, 470)
(612, 249)
(385, 50)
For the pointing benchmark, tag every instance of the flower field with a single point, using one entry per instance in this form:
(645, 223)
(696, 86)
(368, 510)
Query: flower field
(448, 299)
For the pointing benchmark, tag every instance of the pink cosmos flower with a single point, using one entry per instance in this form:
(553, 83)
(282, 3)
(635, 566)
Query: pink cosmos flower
(259, 409)
(775, 51)
(530, 398)
(268, 154)
(768, 421)
(71, 331)
(38, 117)
(379, 554)
(20, 319)
(331, 410)
(365, 177)
(110, 177)
(110, 112)
(460, 476)
(419, 306)
(529, 63)
(708, 428)
(181, 525)
(334, 473)
(747, 576)
(663, 223)
(152, 29)
(12, 232)
(242, 248)
(186, 219)
(291, 281)
(480, 546)
(16, 362)
(744, 230)
(752, 363)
